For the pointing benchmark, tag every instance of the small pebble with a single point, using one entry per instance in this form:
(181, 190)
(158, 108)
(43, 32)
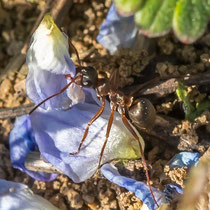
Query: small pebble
(5, 88)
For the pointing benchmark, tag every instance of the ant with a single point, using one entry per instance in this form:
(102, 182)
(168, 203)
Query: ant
(134, 113)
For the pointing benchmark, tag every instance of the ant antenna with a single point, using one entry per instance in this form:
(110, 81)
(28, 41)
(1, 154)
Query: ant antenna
(72, 46)
(75, 50)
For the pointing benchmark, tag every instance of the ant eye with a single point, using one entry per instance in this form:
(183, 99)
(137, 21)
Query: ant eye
(90, 77)
(142, 113)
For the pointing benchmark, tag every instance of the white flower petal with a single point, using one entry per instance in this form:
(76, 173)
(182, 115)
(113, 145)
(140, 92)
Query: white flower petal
(49, 49)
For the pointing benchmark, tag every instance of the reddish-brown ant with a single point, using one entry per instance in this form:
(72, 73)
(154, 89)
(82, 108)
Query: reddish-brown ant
(139, 113)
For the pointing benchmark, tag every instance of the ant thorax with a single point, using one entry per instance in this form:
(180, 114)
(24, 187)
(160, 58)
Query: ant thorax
(103, 88)
(120, 99)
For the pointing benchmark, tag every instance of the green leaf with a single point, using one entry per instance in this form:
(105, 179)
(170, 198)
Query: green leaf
(190, 20)
(202, 107)
(128, 6)
(145, 17)
(206, 5)
(161, 20)
(191, 112)
(182, 94)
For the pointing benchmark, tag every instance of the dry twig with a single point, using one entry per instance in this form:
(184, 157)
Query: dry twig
(15, 112)
(161, 88)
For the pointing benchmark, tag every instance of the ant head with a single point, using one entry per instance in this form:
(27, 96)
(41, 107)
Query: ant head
(89, 76)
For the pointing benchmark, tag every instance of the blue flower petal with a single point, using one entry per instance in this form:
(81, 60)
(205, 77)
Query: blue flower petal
(59, 133)
(42, 84)
(184, 159)
(49, 62)
(172, 192)
(21, 143)
(140, 189)
(117, 31)
(16, 196)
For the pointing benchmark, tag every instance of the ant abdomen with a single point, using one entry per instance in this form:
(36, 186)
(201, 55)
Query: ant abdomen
(142, 113)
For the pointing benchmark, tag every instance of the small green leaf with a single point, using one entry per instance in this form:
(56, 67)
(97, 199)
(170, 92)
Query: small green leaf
(191, 112)
(190, 20)
(128, 6)
(182, 94)
(202, 107)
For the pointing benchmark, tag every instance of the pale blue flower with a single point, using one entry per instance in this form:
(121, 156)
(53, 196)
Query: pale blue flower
(49, 61)
(17, 196)
(58, 133)
(117, 32)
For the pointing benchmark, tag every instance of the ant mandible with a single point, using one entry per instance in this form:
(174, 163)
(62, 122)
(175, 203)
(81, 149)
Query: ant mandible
(138, 112)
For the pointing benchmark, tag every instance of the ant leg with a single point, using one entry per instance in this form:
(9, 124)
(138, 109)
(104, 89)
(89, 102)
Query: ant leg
(107, 134)
(129, 127)
(61, 91)
(96, 116)
(68, 76)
